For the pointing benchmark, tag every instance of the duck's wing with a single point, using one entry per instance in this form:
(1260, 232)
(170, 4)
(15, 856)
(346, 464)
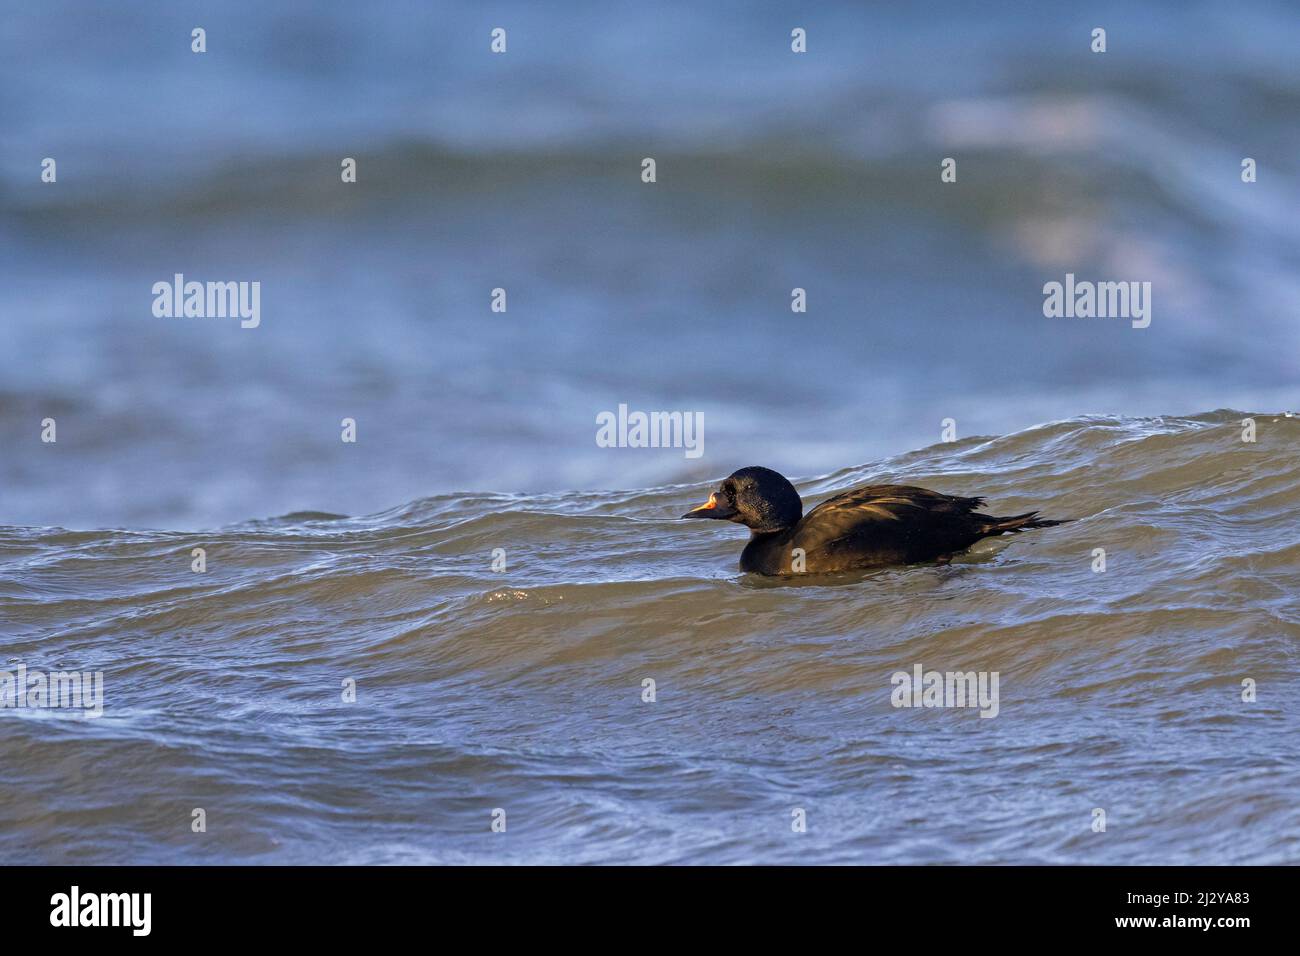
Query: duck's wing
(884, 513)
(894, 502)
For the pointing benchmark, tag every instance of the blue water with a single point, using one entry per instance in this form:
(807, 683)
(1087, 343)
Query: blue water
(521, 171)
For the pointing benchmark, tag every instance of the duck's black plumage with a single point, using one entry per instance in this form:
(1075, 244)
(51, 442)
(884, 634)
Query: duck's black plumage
(870, 527)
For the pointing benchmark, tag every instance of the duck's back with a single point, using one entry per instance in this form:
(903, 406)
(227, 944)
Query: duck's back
(874, 526)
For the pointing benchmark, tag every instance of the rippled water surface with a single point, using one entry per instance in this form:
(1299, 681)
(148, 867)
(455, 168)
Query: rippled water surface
(522, 689)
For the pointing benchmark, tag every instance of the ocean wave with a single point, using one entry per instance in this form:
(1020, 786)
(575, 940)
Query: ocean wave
(520, 688)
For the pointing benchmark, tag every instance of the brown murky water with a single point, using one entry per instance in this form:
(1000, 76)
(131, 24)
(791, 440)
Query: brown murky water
(522, 689)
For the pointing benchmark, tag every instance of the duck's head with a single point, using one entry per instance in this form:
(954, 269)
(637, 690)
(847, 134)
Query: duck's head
(758, 498)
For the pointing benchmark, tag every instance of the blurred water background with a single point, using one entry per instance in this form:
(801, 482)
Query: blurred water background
(522, 171)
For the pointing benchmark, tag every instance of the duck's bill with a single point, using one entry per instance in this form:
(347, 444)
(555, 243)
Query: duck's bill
(711, 509)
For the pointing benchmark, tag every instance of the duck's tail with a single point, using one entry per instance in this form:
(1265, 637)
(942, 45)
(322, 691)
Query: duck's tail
(1025, 522)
